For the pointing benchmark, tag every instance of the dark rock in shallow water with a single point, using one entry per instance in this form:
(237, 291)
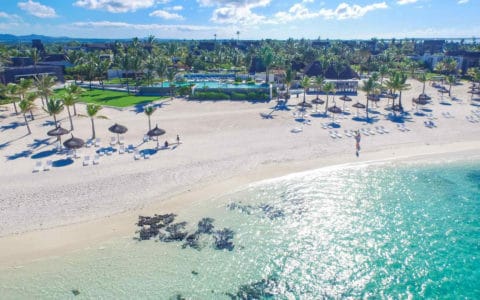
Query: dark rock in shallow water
(266, 209)
(192, 241)
(271, 212)
(247, 209)
(263, 289)
(205, 226)
(222, 239)
(194, 272)
(75, 292)
(174, 232)
(148, 232)
(157, 220)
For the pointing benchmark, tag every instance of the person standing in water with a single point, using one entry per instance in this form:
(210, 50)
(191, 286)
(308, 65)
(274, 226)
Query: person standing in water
(357, 141)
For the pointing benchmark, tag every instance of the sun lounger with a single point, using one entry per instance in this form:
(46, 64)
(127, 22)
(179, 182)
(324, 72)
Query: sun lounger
(88, 144)
(121, 140)
(97, 142)
(108, 152)
(37, 167)
(296, 130)
(332, 134)
(48, 165)
(86, 160)
(337, 134)
(372, 132)
(121, 149)
(96, 159)
(146, 138)
(384, 129)
(347, 133)
(113, 141)
(137, 155)
(146, 156)
(130, 148)
(364, 131)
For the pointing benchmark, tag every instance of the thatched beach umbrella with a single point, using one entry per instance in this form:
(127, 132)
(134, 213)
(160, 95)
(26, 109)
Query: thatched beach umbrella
(74, 143)
(156, 132)
(358, 105)
(442, 91)
(390, 96)
(424, 97)
(304, 104)
(345, 98)
(317, 102)
(334, 110)
(419, 101)
(58, 132)
(118, 129)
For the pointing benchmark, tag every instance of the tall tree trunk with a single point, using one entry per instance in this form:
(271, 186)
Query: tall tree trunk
(366, 108)
(423, 90)
(15, 106)
(149, 124)
(54, 120)
(74, 109)
(70, 118)
(93, 128)
(26, 123)
(326, 105)
(31, 115)
(400, 101)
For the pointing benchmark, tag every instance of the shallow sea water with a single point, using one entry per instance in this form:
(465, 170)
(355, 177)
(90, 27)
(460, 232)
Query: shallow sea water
(382, 230)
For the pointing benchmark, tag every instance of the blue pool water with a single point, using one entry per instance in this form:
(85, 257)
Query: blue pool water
(389, 230)
(224, 85)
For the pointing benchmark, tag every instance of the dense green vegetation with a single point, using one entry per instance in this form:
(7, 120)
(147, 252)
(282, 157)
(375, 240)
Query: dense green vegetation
(110, 98)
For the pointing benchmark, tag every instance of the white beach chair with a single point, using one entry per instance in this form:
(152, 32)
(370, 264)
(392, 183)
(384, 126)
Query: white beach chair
(347, 133)
(121, 140)
(130, 148)
(113, 141)
(137, 155)
(296, 130)
(86, 160)
(146, 138)
(37, 167)
(48, 165)
(332, 134)
(338, 134)
(77, 154)
(121, 149)
(97, 142)
(385, 130)
(96, 159)
(364, 131)
(146, 156)
(370, 131)
(379, 130)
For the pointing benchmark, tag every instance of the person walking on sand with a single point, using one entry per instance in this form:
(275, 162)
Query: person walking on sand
(178, 139)
(357, 141)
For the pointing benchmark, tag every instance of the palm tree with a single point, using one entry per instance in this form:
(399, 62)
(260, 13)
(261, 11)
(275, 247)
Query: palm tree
(31, 98)
(161, 69)
(92, 110)
(305, 84)
(24, 86)
(69, 100)
(75, 91)
(382, 71)
(171, 76)
(328, 88)
(367, 87)
(13, 94)
(397, 82)
(44, 85)
(451, 80)
(288, 81)
(423, 79)
(53, 108)
(267, 56)
(318, 83)
(26, 106)
(149, 110)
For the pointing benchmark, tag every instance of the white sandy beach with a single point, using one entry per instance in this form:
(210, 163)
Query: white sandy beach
(225, 144)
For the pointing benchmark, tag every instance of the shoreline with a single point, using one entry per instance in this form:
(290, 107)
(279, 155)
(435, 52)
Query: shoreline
(21, 248)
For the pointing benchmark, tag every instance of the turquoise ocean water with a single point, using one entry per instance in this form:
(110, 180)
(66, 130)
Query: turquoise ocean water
(385, 230)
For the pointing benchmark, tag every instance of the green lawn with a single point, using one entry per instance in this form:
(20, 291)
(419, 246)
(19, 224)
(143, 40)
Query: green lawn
(111, 98)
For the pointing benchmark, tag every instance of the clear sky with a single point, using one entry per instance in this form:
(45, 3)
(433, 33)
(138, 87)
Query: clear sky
(253, 19)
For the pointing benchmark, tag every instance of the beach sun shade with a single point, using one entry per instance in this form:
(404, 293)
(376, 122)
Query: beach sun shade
(424, 97)
(58, 132)
(345, 98)
(118, 129)
(334, 110)
(374, 98)
(358, 105)
(420, 101)
(156, 132)
(304, 104)
(318, 101)
(396, 107)
(73, 143)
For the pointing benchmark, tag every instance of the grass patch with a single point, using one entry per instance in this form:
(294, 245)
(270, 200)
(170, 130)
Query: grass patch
(111, 98)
